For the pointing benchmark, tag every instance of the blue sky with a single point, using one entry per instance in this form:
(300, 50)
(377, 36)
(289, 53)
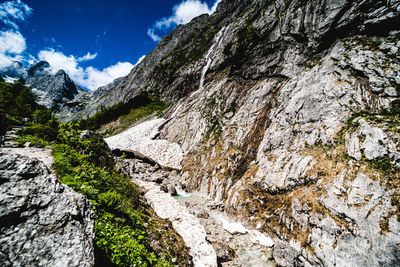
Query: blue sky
(94, 41)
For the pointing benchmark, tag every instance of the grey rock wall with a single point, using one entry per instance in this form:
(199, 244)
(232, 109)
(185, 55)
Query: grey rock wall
(42, 222)
(266, 135)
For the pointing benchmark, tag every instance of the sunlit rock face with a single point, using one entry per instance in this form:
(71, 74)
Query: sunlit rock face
(56, 90)
(282, 113)
(42, 222)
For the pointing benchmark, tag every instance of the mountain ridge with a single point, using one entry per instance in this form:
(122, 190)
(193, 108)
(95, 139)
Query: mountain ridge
(278, 109)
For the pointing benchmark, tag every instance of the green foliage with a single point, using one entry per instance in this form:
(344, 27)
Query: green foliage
(106, 115)
(391, 121)
(17, 100)
(42, 131)
(119, 222)
(384, 165)
(137, 114)
(35, 141)
(44, 116)
(86, 165)
(123, 243)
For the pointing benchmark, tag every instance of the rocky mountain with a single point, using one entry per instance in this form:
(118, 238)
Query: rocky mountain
(55, 90)
(287, 115)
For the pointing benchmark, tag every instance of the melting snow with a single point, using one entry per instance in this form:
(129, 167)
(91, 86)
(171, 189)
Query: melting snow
(260, 238)
(186, 224)
(238, 228)
(139, 140)
(232, 227)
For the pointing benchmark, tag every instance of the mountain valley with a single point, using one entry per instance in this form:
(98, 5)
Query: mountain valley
(264, 134)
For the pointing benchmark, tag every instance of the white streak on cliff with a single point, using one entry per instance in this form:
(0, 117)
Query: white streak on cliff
(209, 54)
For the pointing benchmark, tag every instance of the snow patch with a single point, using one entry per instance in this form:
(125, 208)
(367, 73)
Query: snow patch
(185, 224)
(232, 227)
(140, 141)
(263, 240)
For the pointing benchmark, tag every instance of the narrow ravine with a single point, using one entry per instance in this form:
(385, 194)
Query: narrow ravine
(201, 222)
(235, 245)
(184, 223)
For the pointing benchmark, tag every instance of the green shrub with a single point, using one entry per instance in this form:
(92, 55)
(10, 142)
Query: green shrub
(17, 100)
(119, 222)
(42, 131)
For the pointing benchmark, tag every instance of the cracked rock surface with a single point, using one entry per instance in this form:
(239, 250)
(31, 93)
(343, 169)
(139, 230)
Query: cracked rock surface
(42, 222)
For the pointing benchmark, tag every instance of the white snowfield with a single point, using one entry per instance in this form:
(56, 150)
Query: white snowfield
(139, 140)
(184, 223)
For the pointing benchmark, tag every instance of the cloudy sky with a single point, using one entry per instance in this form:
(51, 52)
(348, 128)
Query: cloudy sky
(94, 41)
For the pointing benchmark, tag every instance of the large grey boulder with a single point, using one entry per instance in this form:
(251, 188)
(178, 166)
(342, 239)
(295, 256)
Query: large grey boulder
(42, 222)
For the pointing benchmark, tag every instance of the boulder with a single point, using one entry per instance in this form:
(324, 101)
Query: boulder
(224, 252)
(42, 222)
(172, 190)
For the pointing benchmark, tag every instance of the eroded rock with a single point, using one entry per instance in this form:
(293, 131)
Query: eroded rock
(42, 222)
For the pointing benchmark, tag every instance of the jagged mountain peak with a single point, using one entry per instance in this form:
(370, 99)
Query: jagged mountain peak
(40, 68)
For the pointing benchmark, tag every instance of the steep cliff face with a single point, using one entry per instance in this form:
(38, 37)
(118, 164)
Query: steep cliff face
(287, 112)
(56, 90)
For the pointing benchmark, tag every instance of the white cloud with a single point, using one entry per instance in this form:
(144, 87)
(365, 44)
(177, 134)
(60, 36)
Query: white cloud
(153, 36)
(12, 11)
(90, 77)
(183, 13)
(12, 44)
(97, 78)
(87, 57)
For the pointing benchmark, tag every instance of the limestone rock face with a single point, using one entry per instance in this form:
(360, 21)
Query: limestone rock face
(287, 116)
(42, 222)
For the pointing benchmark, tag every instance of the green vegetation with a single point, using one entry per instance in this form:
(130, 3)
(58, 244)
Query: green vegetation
(127, 113)
(83, 165)
(135, 115)
(18, 101)
(109, 114)
(123, 229)
(390, 118)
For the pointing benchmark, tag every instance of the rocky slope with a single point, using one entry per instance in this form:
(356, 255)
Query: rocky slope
(287, 114)
(43, 223)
